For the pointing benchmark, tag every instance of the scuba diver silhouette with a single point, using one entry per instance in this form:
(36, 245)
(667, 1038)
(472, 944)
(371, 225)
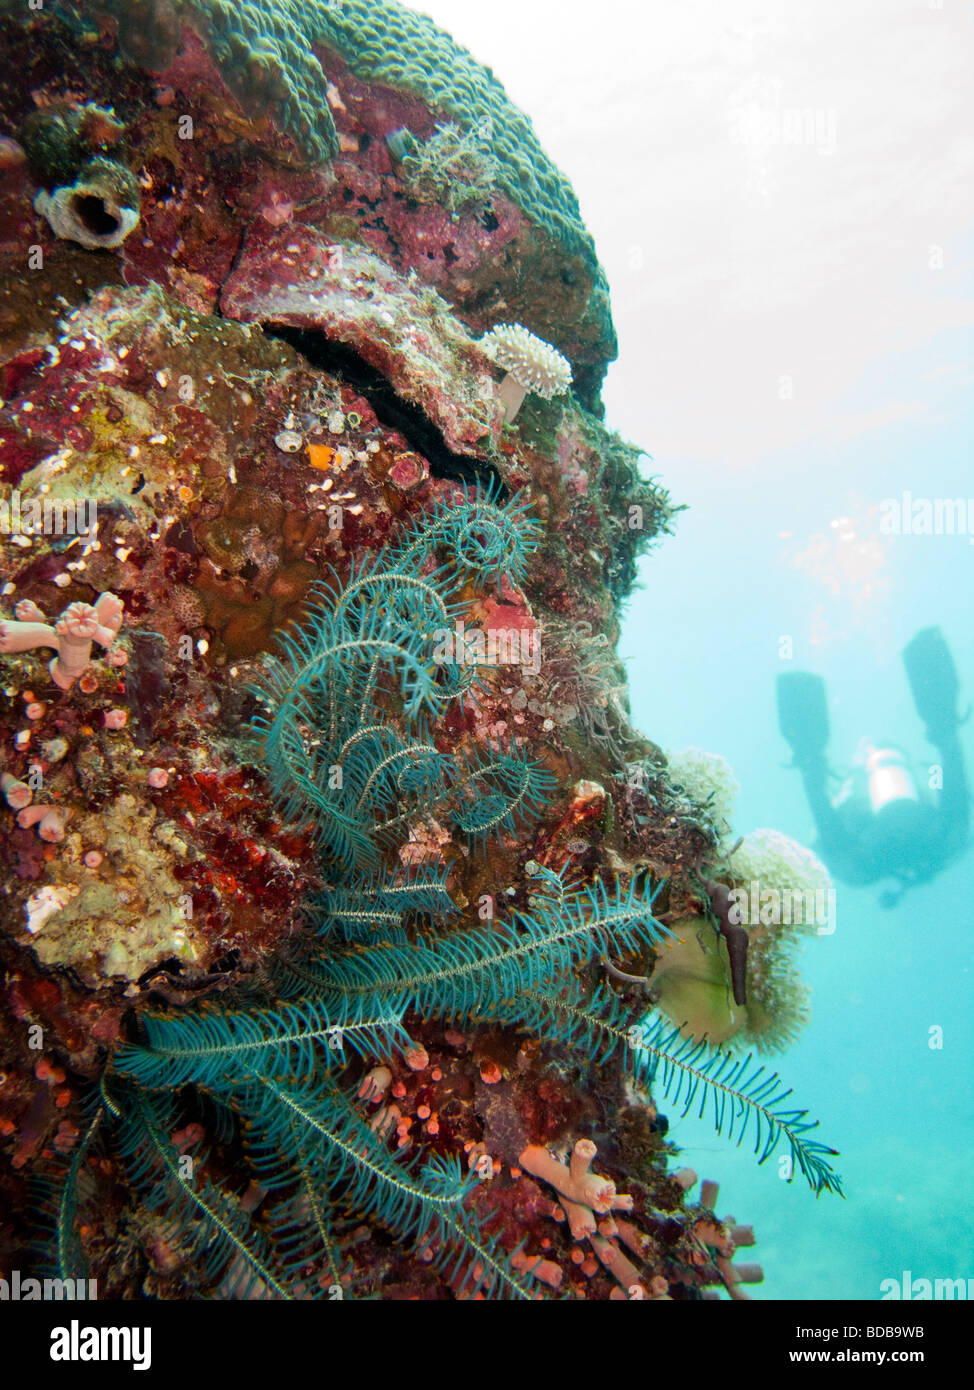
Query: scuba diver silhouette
(879, 826)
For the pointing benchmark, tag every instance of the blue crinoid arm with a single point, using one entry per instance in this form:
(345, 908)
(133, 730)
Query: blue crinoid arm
(485, 972)
(334, 757)
(480, 538)
(744, 1099)
(498, 791)
(377, 908)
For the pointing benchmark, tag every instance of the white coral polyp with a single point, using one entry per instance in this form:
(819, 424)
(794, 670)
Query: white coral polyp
(530, 362)
(47, 901)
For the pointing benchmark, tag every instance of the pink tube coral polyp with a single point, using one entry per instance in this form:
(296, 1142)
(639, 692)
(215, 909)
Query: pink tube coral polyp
(71, 636)
(16, 794)
(576, 1182)
(50, 821)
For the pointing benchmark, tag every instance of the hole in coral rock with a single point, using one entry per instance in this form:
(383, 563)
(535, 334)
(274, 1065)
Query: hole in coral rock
(93, 215)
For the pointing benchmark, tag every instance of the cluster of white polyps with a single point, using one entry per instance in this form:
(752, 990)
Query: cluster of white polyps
(531, 365)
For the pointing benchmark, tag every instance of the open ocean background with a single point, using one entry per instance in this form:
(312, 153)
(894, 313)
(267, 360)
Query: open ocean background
(899, 1112)
(795, 347)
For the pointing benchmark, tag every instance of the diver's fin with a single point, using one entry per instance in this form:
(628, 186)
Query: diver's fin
(803, 715)
(933, 681)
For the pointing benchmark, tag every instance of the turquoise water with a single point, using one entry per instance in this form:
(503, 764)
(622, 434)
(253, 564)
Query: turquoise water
(702, 644)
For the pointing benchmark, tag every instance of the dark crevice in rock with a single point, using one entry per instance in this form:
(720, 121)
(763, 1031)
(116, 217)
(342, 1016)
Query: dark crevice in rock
(339, 360)
(94, 215)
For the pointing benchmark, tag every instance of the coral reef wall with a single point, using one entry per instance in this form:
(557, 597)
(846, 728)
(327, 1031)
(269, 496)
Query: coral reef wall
(248, 253)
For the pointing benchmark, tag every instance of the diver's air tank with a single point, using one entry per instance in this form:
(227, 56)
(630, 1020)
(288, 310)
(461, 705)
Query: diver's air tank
(890, 778)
